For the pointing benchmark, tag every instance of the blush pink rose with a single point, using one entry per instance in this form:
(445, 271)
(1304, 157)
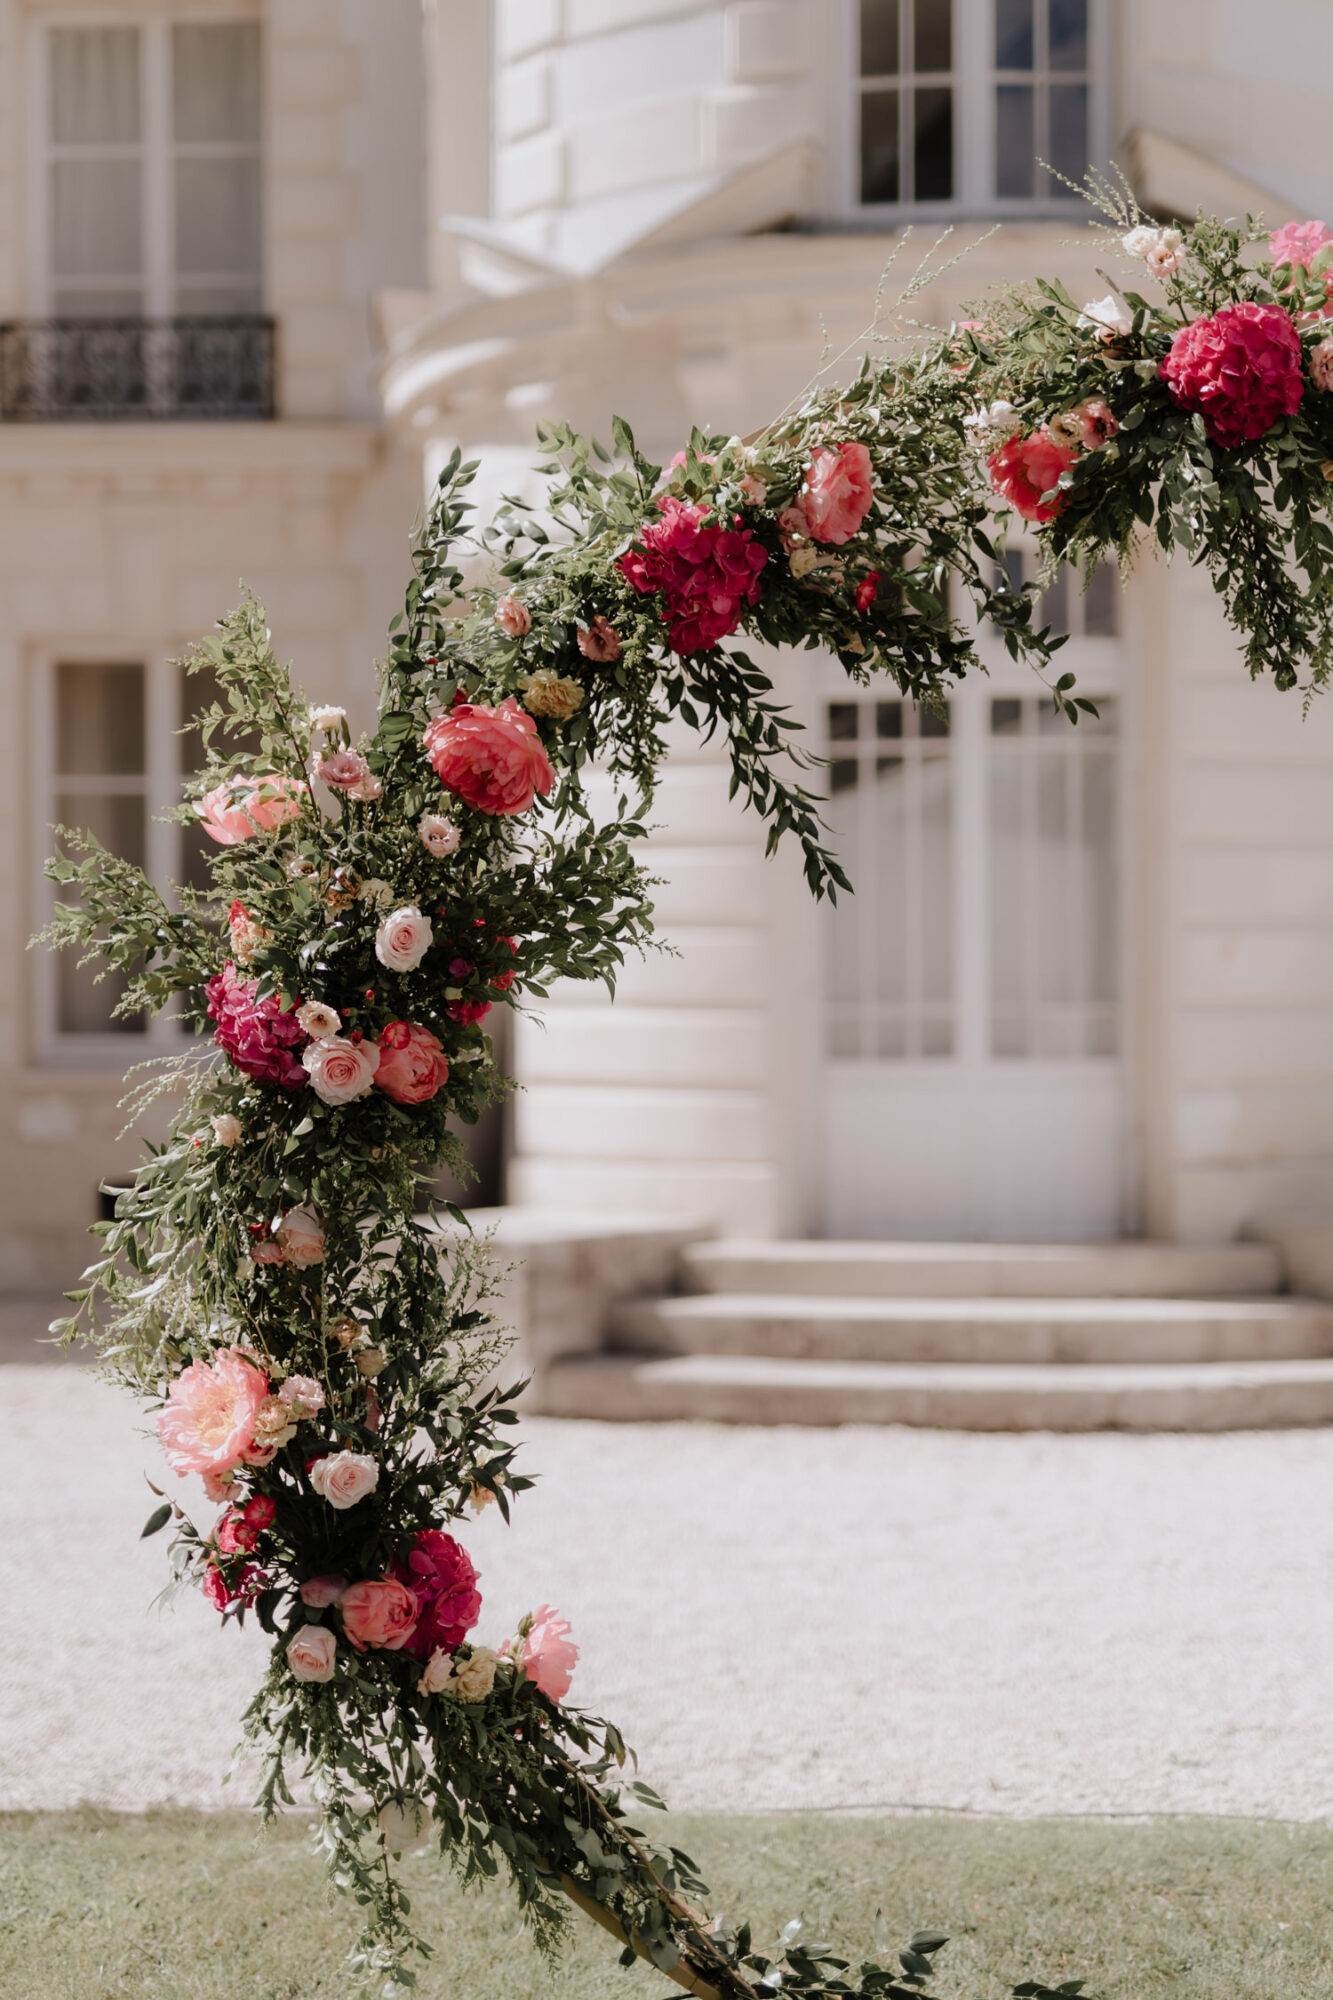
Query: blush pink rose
(208, 1424)
(341, 1069)
(548, 1655)
(244, 807)
(302, 1241)
(440, 1575)
(1025, 468)
(492, 758)
(380, 1614)
(513, 618)
(403, 939)
(319, 1592)
(344, 1477)
(260, 1036)
(838, 491)
(1240, 368)
(344, 770)
(312, 1654)
(412, 1063)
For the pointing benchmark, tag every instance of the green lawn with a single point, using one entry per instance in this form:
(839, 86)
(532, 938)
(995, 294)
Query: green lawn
(183, 1907)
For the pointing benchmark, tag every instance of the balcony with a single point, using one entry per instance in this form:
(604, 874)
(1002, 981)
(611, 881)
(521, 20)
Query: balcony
(137, 370)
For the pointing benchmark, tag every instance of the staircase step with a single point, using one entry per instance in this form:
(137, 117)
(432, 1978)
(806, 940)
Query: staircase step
(756, 1389)
(983, 1270)
(1027, 1331)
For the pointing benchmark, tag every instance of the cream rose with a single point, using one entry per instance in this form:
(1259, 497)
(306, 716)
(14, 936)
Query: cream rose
(319, 1021)
(341, 1070)
(474, 1678)
(326, 720)
(344, 1477)
(438, 835)
(312, 1653)
(403, 939)
(301, 1237)
(226, 1128)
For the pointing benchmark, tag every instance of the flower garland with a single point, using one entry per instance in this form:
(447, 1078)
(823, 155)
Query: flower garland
(320, 1356)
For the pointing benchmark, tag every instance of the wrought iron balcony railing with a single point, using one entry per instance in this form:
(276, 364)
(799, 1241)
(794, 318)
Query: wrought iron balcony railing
(137, 370)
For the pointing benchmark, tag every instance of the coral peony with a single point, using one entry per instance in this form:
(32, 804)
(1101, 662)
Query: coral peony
(341, 1069)
(244, 807)
(1240, 367)
(440, 1576)
(209, 1420)
(706, 574)
(838, 492)
(1024, 469)
(412, 1063)
(380, 1613)
(259, 1036)
(312, 1653)
(548, 1655)
(491, 757)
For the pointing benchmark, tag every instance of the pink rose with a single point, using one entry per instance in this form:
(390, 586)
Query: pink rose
(340, 1069)
(549, 1656)
(379, 1614)
(319, 1592)
(344, 1478)
(302, 1394)
(491, 757)
(344, 770)
(838, 492)
(412, 1063)
(599, 641)
(302, 1241)
(705, 574)
(209, 1420)
(258, 1035)
(1025, 468)
(267, 1250)
(514, 619)
(311, 1654)
(244, 807)
(1240, 367)
(403, 939)
(439, 836)
(440, 1575)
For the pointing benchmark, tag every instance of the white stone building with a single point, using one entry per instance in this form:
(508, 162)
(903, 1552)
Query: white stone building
(1084, 988)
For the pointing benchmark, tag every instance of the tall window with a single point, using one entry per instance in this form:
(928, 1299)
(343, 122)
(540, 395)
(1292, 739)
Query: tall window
(1041, 96)
(150, 183)
(906, 100)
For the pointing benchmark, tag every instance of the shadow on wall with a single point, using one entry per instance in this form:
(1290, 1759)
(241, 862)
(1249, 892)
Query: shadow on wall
(487, 1142)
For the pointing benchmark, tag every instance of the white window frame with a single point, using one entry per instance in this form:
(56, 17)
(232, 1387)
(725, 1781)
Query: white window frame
(156, 148)
(973, 121)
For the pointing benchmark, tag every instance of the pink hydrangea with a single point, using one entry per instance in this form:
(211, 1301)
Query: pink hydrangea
(440, 1575)
(1025, 468)
(838, 492)
(707, 574)
(491, 757)
(1240, 367)
(548, 1655)
(260, 1036)
(208, 1424)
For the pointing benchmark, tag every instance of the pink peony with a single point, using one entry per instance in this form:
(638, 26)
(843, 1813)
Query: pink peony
(208, 1424)
(440, 1576)
(1241, 367)
(312, 1653)
(1022, 470)
(491, 757)
(838, 491)
(380, 1613)
(548, 1655)
(319, 1592)
(258, 1035)
(244, 807)
(412, 1063)
(341, 1069)
(1298, 243)
(706, 574)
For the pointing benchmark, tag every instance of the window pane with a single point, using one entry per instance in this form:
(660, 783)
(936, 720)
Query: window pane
(1069, 134)
(888, 719)
(83, 1006)
(879, 145)
(95, 218)
(1014, 145)
(99, 720)
(1101, 603)
(1069, 34)
(933, 28)
(114, 303)
(886, 912)
(94, 86)
(879, 37)
(217, 216)
(934, 144)
(931, 724)
(1006, 717)
(1055, 603)
(936, 886)
(1013, 34)
(215, 81)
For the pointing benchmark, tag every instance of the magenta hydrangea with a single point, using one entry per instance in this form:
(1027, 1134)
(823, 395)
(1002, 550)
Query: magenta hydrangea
(707, 574)
(439, 1574)
(1240, 368)
(259, 1035)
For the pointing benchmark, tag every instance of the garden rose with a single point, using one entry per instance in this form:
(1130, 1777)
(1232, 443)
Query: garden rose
(344, 1478)
(403, 939)
(545, 692)
(243, 807)
(319, 1592)
(547, 1654)
(327, 719)
(839, 489)
(1241, 367)
(1162, 250)
(1026, 468)
(318, 1020)
(513, 618)
(705, 573)
(1321, 366)
(257, 1035)
(440, 1576)
(491, 757)
(302, 1395)
(599, 641)
(209, 1419)
(312, 1653)
(301, 1237)
(439, 836)
(341, 1069)
(412, 1063)
(226, 1128)
(240, 1527)
(380, 1613)
(246, 935)
(1110, 316)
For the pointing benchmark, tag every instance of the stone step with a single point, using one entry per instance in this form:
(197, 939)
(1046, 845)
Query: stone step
(1018, 1331)
(1131, 1269)
(757, 1389)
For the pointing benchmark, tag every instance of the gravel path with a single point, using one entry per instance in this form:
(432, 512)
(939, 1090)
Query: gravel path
(777, 1618)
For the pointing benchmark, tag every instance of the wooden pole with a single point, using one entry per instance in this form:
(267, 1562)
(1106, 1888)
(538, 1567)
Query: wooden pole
(609, 1921)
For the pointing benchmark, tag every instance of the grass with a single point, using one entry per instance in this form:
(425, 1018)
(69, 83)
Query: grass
(188, 1907)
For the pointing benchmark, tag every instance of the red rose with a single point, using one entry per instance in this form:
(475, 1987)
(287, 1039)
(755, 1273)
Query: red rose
(468, 1012)
(440, 1576)
(491, 757)
(1241, 368)
(1023, 469)
(867, 590)
(412, 1064)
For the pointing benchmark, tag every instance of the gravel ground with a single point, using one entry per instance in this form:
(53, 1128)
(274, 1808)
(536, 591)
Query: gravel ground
(777, 1618)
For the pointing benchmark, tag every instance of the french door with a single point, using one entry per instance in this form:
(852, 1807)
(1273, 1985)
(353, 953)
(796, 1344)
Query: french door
(972, 984)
